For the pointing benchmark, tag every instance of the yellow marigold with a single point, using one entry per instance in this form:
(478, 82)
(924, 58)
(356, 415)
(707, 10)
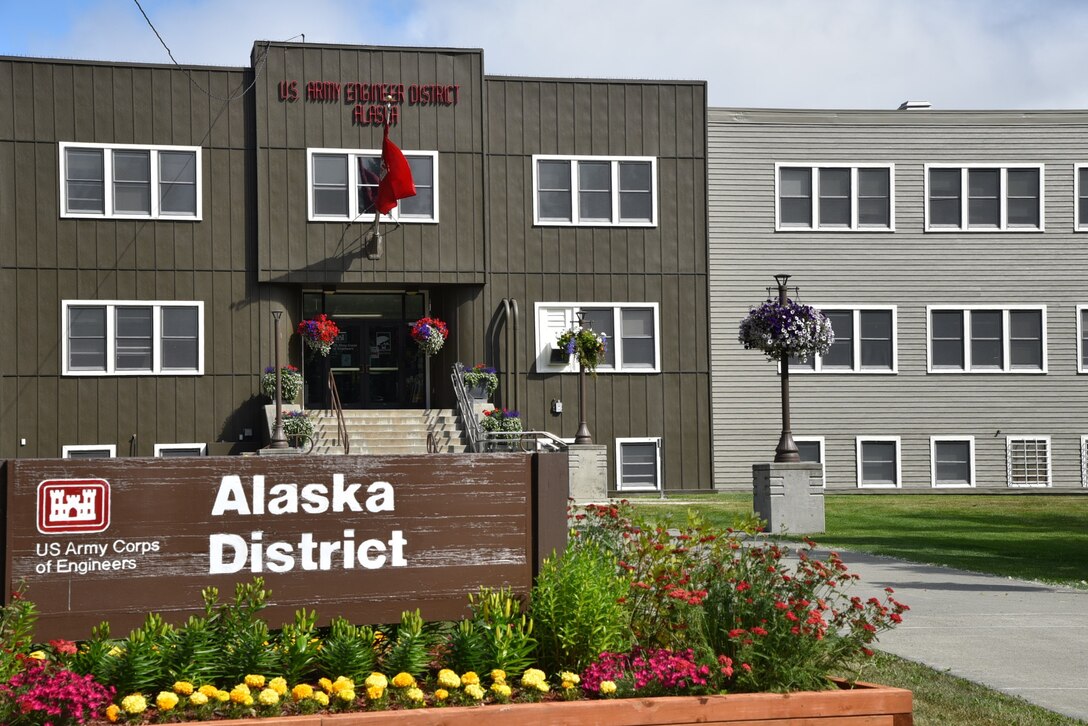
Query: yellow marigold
(321, 698)
(115, 652)
(268, 697)
(347, 695)
(302, 691)
(570, 677)
(501, 689)
(441, 694)
(542, 686)
(134, 704)
(209, 691)
(342, 684)
(166, 700)
(255, 681)
(377, 680)
(448, 679)
(248, 701)
(239, 694)
(183, 688)
(198, 699)
(532, 676)
(498, 675)
(470, 679)
(414, 694)
(112, 712)
(607, 688)
(279, 685)
(374, 692)
(325, 684)
(474, 690)
(222, 696)
(404, 680)
(38, 655)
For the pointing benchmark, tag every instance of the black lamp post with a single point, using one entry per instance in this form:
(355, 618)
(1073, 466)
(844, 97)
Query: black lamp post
(583, 436)
(279, 440)
(787, 448)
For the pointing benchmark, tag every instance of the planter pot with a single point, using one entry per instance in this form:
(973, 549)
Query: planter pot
(865, 703)
(478, 392)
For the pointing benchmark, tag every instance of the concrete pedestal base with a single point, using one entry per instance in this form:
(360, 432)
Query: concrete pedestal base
(790, 497)
(588, 473)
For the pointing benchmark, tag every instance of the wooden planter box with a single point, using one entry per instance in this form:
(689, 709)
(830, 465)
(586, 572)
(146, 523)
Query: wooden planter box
(865, 704)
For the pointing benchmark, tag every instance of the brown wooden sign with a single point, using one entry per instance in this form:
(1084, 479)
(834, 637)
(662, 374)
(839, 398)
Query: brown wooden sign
(359, 536)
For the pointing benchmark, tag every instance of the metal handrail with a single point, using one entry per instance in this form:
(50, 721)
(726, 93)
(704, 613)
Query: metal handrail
(465, 407)
(432, 443)
(524, 441)
(338, 408)
(511, 369)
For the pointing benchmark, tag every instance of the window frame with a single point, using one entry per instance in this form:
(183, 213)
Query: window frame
(614, 166)
(1006, 368)
(657, 462)
(857, 310)
(814, 185)
(1079, 225)
(1081, 331)
(109, 180)
(157, 368)
(66, 449)
(859, 441)
(159, 448)
(544, 346)
(1084, 461)
(823, 453)
(1049, 462)
(933, 441)
(354, 215)
(1003, 201)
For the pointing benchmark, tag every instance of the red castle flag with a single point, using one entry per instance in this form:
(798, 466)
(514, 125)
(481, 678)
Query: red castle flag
(397, 182)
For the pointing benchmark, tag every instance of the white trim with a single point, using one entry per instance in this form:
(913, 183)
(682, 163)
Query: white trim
(110, 307)
(544, 345)
(614, 162)
(107, 182)
(857, 310)
(823, 453)
(354, 215)
(814, 178)
(657, 462)
(1084, 461)
(898, 484)
(933, 441)
(1008, 462)
(159, 448)
(1081, 368)
(1006, 360)
(1003, 194)
(1077, 224)
(69, 448)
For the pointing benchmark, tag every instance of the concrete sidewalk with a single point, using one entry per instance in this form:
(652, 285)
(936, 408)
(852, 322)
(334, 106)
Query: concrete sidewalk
(1020, 637)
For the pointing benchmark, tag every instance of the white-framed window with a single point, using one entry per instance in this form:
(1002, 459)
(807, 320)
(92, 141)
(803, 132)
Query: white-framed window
(130, 181)
(1027, 461)
(1082, 338)
(984, 197)
(834, 197)
(1084, 461)
(342, 186)
(172, 450)
(595, 191)
(952, 461)
(632, 330)
(1080, 197)
(89, 451)
(878, 462)
(811, 450)
(638, 464)
(132, 338)
(986, 339)
(865, 342)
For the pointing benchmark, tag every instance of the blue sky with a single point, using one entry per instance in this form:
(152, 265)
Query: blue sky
(1015, 54)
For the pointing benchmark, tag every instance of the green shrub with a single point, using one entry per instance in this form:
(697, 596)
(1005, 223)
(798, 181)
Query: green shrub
(576, 606)
(17, 619)
(241, 636)
(467, 649)
(296, 647)
(193, 654)
(348, 651)
(507, 633)
(142, 659)
(409, 652)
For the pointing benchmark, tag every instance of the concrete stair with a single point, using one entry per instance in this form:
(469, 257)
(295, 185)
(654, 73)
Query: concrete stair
(390, 431)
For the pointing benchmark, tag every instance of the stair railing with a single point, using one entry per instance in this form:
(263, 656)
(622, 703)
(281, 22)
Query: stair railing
(338, 408)
(465, 408)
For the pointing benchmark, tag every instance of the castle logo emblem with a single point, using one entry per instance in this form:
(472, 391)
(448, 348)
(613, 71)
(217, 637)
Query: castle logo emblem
(73, 505)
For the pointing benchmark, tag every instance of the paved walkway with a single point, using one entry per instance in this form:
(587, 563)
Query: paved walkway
(1020, 637)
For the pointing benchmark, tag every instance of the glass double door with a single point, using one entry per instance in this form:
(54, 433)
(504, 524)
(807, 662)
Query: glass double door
(368, 361)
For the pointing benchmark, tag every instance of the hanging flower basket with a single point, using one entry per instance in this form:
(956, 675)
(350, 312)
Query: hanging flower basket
(430, 334)
(290, 383)
(786, 330)
(587, 347)
(319, 333)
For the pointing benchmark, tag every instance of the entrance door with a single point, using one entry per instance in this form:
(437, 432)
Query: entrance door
(367, 363)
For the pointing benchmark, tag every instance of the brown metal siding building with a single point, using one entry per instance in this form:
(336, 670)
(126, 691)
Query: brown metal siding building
(278, 222)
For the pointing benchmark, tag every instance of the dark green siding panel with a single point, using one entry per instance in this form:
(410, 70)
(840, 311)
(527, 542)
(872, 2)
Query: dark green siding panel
(22, 100)
(83, 104)
(7, 90)
(64, 110)
(123, 107)
(43, 103)
(9, 324)
(143, 111)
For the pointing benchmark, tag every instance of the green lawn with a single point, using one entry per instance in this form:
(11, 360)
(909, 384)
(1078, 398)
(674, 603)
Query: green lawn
(1030, 536)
